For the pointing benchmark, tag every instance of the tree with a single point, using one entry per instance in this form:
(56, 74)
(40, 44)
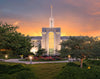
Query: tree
(40, 52)
(96, 48)
(79, 47)
(11, 40)
(5, 30)
(64, 52)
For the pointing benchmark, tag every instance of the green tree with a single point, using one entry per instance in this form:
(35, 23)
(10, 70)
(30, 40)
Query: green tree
(96, 48)
(63, 52)
(11, 40)
(79, 47)
(40, 52)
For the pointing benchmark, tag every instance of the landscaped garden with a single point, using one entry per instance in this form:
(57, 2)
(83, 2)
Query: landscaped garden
(90, 70)
(71, 70)
(23, 71)
(14, 45)
(43, 58)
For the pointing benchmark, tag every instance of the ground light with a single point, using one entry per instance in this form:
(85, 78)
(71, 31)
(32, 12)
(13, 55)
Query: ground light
(6, 56)
(30, 57)
(69, 56)
(89, 67)
(21, 56)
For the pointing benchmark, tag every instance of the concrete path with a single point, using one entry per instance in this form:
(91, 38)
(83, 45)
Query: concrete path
(34, 62)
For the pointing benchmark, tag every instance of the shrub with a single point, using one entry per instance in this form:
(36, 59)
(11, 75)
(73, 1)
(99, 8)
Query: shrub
(57, 58)
(24, 75)
(72, 64)
(85, 65)
(5, 76)
(4, 68)
(16, 68)
(73, 72)
(94, 62)
(17, 71)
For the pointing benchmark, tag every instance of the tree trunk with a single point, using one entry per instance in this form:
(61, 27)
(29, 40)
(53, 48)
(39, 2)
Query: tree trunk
(81, 63)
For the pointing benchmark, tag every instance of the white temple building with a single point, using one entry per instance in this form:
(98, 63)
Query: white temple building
(50, 39)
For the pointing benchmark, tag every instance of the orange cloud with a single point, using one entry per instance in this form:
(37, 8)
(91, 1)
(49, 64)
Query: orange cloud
(81, 21)
(16, 23)
(96, 13)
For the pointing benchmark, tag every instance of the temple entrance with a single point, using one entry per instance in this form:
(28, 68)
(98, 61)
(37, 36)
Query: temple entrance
(51, 43)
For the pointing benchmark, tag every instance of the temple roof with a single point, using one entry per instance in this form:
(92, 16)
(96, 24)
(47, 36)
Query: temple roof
(36, 37)
(64, 37)
(57, 29)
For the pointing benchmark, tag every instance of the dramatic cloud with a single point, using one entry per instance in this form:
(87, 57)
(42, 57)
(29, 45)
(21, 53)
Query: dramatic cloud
(75, 17)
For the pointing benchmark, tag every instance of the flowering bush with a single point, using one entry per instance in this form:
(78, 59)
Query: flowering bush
(46, 58)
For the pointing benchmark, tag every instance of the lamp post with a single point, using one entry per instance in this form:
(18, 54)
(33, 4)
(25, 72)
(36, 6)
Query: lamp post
(69, 56)
(21, 56)
(6, 56)
(30, 57)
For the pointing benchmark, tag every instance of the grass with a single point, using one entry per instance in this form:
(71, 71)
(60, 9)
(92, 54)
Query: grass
(72, 70)
(47, 71)
(16, 71)
(43, 71)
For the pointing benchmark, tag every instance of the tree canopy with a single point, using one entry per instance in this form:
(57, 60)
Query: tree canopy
(79, 46)
(13, 41)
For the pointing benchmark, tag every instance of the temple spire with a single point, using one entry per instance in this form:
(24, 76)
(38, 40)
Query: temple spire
(51, 20)
(51, 10)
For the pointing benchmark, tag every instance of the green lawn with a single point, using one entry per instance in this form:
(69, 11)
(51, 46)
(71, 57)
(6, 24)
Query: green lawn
(50, 70)
(42, 71)
(47, 71)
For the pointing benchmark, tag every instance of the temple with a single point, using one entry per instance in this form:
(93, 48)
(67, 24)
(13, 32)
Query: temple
(50, 39)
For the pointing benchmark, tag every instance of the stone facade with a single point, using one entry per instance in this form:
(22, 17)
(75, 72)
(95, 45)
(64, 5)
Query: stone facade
(45, 39)
(50, 39)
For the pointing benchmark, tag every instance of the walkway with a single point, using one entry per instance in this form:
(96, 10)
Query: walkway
(34, 62)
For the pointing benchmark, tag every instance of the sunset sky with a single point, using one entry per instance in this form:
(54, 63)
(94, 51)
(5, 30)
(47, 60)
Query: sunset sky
(75, 17)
